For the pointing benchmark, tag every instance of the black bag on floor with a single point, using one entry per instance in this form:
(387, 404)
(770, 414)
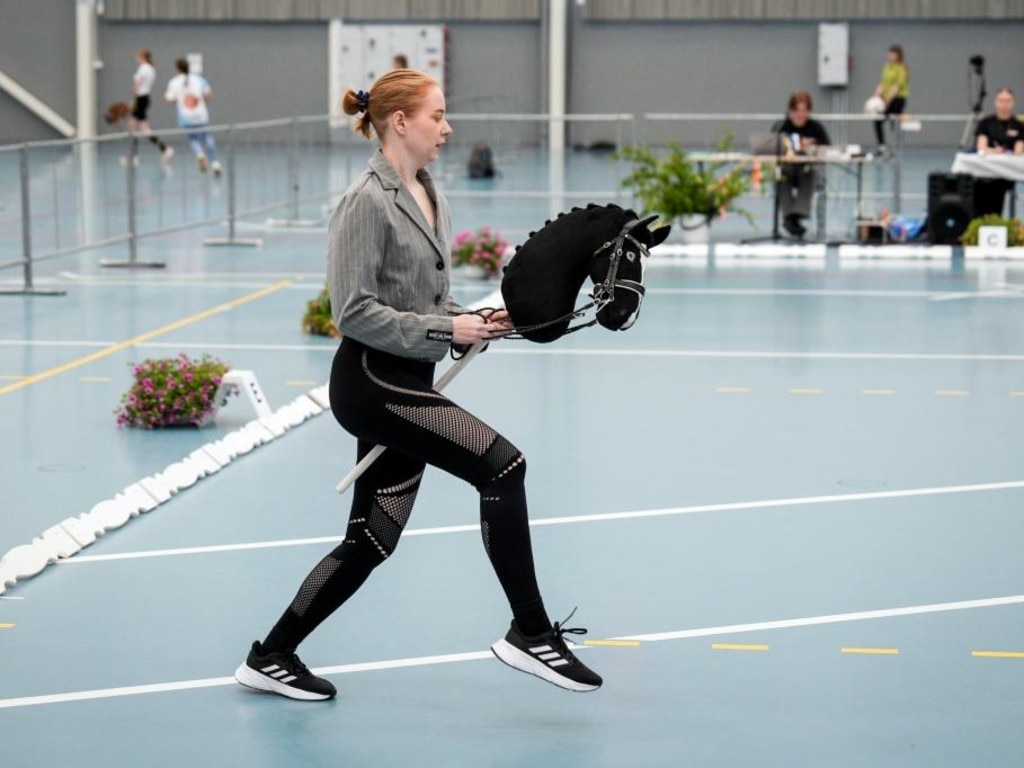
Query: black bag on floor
(481, 162)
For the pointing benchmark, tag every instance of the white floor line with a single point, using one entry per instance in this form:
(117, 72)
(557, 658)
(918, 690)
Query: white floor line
(450, 658)
(754, 354)
(568, 352)
(807, 292)
(572, 519)
(836, 618)
(54, 343)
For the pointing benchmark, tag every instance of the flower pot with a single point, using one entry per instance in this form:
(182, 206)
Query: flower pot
(473, 272)
(695, 228)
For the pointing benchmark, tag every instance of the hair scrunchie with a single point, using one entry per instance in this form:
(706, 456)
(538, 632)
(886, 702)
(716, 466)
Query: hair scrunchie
(363, 97)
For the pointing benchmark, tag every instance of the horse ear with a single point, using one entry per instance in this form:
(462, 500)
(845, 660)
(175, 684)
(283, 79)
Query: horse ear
(657, 233)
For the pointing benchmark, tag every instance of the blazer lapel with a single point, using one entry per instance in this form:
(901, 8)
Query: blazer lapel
(405, 201)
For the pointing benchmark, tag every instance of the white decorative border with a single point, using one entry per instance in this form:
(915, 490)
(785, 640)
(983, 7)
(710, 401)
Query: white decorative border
(73, 534)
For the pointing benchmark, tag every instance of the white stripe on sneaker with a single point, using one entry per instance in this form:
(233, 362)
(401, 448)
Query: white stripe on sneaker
(279, 674)
(540, 649)
(288, 679)
(268, 670)
(550, 656)
(559, 663)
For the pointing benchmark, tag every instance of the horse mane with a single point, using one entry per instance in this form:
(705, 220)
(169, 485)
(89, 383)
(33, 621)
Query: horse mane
(542, 281)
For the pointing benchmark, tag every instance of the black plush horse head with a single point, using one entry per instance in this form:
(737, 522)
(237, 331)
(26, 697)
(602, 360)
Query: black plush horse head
(542, 281)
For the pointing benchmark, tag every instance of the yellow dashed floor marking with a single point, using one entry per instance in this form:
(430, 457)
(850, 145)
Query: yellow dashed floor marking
(998, 654)
(614, 643)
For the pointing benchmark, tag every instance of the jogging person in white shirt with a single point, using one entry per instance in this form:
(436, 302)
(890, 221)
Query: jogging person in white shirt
(142, 87)
(191, 94)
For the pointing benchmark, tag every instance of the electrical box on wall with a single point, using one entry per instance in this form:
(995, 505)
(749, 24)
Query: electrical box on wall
(360, 53)
(834, 54)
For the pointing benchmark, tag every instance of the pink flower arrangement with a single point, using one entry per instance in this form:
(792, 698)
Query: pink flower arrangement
(171, 391)
(484, 248)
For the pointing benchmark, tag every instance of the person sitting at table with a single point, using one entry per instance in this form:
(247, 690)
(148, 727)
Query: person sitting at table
(800, 135)
(998, 133)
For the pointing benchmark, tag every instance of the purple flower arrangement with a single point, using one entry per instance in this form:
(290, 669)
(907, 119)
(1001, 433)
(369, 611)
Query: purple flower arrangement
(171, 391)
(484, 248)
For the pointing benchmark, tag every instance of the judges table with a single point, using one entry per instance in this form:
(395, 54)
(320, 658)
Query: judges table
(831, 157)
(992, 166)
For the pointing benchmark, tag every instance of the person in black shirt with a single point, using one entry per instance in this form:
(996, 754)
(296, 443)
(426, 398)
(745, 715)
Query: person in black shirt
(800, 135)
(999, 133)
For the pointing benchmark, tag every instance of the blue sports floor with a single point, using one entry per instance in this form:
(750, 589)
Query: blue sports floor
(793, 492)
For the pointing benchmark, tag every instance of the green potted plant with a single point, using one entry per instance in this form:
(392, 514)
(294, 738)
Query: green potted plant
(318, 320)
(680, 189)
(1014, 229)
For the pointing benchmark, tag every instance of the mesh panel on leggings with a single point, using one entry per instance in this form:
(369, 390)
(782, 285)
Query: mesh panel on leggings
(486, 533)
(501, 455)
(385, 532)
(451, 423)
(313, 584)
(398, 507)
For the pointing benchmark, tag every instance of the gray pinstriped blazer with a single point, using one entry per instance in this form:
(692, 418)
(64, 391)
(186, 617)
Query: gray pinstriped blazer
(387, 270)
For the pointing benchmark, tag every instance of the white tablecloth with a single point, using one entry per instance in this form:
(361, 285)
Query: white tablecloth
(1010, 167)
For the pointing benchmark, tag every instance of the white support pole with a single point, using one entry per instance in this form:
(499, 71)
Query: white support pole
(557, 74)
(334, 81)
(85, 68)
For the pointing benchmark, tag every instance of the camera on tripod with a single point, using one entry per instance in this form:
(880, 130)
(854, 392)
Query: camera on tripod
(976, 95)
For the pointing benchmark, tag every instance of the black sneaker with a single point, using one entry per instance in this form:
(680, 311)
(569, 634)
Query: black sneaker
(548, 657)
(282, 673)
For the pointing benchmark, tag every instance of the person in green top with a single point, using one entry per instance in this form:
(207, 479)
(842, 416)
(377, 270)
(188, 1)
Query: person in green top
(893, 89)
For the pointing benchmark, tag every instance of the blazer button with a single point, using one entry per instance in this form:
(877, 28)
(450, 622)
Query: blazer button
(437, 298)
(440, 266)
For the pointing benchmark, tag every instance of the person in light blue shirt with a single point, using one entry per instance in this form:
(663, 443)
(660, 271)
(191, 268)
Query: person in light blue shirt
(191, 94)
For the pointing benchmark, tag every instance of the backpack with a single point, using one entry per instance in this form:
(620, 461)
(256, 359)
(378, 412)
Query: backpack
(481, 162)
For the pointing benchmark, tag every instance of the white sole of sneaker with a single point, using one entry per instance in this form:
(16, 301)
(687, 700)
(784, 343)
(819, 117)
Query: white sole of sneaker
(250, 678)
(516, 659)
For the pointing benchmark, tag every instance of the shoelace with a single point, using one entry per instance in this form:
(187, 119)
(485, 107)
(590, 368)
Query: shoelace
(560, 630)
(294, 665)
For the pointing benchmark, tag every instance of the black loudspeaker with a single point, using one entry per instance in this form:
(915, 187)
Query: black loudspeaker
(950, 206)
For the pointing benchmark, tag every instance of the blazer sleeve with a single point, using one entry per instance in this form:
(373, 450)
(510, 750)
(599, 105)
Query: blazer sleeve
(357, 247)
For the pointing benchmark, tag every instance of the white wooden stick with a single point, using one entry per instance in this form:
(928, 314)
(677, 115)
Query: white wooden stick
(377, 450)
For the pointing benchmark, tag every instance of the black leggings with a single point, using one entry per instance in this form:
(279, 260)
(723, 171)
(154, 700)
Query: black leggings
(390, 401)
(894, 107)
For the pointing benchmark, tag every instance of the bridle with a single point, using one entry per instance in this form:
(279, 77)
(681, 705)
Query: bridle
(604, 292)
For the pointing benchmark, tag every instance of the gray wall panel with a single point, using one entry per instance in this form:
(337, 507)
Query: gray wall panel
(299, 10)
(752, 67)
(257, 71)
(37, 49)
(791, 10)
